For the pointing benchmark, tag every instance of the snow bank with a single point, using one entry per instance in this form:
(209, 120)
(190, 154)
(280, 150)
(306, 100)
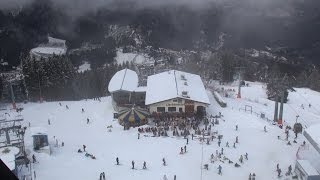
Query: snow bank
(219, 99)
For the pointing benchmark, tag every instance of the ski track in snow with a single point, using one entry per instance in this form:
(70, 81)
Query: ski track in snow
(70, 126)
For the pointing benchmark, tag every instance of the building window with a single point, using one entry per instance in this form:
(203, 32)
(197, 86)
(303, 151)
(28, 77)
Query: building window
(179, 100)
(161, 109)
(175, 100)
(180, 110)
(172, 109)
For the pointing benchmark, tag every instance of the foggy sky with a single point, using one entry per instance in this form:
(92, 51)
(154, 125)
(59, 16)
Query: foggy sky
(91, 5)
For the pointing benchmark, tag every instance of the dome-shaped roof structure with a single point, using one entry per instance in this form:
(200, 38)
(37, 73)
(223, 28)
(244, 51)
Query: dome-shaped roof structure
(125, 80)
(133, 116)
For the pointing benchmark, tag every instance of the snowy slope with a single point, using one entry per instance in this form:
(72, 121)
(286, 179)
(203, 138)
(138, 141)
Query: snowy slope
(70, 126)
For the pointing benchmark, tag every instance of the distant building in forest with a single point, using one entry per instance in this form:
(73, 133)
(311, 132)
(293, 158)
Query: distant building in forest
(53, 47)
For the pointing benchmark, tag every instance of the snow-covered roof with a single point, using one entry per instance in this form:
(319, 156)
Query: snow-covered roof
(141, 89)
(313, 135)
(125, 80)
(172, 84)
(308, 168)
(48, 50)
(38, 131)
(9, 160)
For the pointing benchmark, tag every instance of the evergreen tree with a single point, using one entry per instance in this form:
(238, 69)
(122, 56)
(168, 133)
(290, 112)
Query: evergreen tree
(314, 80)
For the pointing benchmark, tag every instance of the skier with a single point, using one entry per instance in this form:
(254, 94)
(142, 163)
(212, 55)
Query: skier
(289, 143)
(144, 165)
(250, 176)
(279, 172)
(138, 135)
(164, 162)
(234, 145)
(265, 129)
(236, 165)
(84, 148)
(132, 164)
(206, 166)
(221, 150)
(277, 166)
(304, 143)
(185, 149)
(219, 142)
(174, 177)
(103, 176)
(82, 110)
(289, 170)
(237, 139)
(246, 156)
(117, 160)
(187, 140)
(100, 177)
(48, 121)
(309, 105)
(241, 159)
(88, 120)
(253, 176)
(165, 177)
(237, 127)
(62, 144)
(227, 144)
(181, 152)
(220, 170)
(287, 135)
(67, 107)
(60, 104)
(34, 160)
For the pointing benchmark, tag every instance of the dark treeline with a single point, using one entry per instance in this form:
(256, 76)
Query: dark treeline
(56, 79)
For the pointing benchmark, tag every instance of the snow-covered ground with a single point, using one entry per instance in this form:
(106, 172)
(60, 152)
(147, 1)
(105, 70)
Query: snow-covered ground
(84, 67)
(128, 57)
(264, 148)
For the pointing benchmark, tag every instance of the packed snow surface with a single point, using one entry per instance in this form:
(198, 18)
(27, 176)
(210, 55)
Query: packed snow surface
(70, 126)
(84, 67)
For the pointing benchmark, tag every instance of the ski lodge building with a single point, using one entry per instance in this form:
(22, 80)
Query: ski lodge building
(176, 91)
(171, 91)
